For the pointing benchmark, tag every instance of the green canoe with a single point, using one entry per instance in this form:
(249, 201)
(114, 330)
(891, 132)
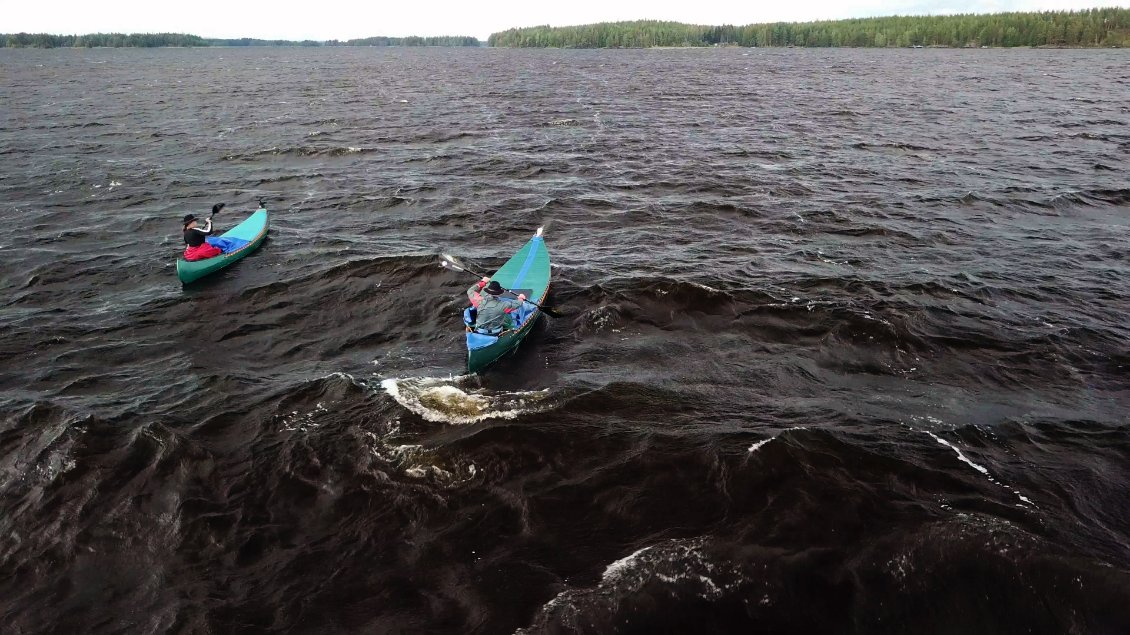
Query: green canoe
(526, 272)
(253, 230)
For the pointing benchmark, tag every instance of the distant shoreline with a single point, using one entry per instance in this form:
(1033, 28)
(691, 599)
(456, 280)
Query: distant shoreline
(1045, 47)
(186, 40)
(1088, 28)
(886, 48)
(604, 48)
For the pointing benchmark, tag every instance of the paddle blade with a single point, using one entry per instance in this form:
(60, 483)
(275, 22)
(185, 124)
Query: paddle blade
(455, 263)
(552, 312)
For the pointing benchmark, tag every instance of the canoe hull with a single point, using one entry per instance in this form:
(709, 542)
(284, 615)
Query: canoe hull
(254, 230)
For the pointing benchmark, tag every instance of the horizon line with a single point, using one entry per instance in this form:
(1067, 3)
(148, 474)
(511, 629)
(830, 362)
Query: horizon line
(566, 26)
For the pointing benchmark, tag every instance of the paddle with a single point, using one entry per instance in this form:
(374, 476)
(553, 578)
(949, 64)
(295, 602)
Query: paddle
(450, 262)
(219, 206)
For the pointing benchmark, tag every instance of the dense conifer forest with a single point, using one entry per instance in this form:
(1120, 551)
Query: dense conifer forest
(1087, 28)
(117, 40)
(46, 40)
(410, 41)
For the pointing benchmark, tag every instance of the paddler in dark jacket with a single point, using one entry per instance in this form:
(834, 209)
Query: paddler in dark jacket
(195, 237)
(494, 309)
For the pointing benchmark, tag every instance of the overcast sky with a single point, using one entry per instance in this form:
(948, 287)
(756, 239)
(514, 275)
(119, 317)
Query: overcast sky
(341, 19)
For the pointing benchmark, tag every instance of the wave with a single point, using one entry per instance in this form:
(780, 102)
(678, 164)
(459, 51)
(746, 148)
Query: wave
(289, 177)
(441, 136)
(891, 146)
(1091, 197)
(37, 447)
(457, 401)
(1007, 198)
(559, 123)
(678, 568)
(301, 151)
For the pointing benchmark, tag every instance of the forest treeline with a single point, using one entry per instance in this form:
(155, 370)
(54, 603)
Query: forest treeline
(1090, 27)
(447, 40)
(144, 40)
(47, 41)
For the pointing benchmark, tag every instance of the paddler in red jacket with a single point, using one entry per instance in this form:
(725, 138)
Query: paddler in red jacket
(194, 237)
(474, 294)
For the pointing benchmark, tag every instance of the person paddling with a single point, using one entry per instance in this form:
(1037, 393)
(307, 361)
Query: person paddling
(493, 310)
(474, 294)
(201, 244)
(196, 237)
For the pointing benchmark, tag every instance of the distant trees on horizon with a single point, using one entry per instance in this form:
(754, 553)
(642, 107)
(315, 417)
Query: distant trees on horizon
(1089, 27)
(446, 40)
(144, 40)
(1085, 28)
(151, 40)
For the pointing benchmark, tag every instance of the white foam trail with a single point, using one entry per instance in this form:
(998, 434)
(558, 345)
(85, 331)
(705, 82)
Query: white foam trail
(980, 468)
(960, 455)
(756, 446)
(753, 448)
(440, 400)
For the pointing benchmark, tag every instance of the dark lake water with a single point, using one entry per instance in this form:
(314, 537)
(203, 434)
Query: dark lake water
(846, 346)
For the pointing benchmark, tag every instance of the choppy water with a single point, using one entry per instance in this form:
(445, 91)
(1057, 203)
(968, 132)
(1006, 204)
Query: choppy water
(847, 345)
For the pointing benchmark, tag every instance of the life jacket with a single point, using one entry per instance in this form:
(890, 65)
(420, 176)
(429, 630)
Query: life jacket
(202, 251)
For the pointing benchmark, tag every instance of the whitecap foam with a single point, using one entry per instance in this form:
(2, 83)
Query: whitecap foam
(680, 563)
(617, 569)
(297, 421)
(418, 462)
(757, 446)
(442, 400)
(753, 448)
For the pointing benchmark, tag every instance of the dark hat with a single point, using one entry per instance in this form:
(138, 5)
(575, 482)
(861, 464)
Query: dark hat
(188, 218)
(494, 288)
